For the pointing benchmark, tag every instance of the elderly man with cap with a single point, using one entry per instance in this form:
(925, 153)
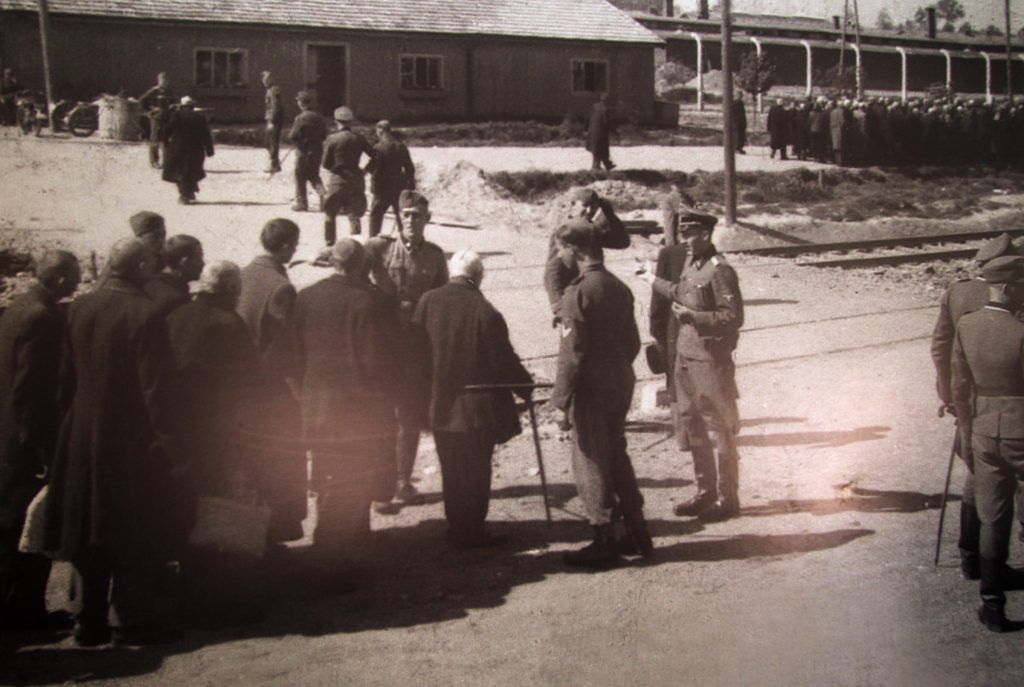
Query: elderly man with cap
(709, 307)
(114, 499)
(189, 143)
(32, 333)
(585, 204)
(391, 171)
(182, 263)
(988, 392)
(593, 390)
(469, 345)
(407, 266)
(959, 299)
(309, 130)
(349, 332)
(150, 228)
(274, 117)
(271, 418)
(346, 188)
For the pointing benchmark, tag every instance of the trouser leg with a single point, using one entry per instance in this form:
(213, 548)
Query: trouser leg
(691, 423)
(185, 190)
(466, 480)
(355, 225)
(274, 146)
(154, 153)
(330, 230)
(343, 499)
(970, 524)
(92, 575)
(377, 209)
(133, 590)
(596, 161)
(301, 200)
(995, 485)
(592, 458)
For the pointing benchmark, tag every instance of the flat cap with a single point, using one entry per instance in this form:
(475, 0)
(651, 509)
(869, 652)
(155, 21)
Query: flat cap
(344, 114)
(688, 215)
(994, 247)
(413, 199)
(347, 253)
(1005, 269)
(146, 222)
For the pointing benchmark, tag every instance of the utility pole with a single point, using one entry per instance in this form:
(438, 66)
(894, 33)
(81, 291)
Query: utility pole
(1009, 56)
(856, 28)
(728, 144)
(842, 40)
(44, 40)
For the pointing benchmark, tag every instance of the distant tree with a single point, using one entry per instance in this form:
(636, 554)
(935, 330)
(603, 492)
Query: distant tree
(837, 82)
(966, 29)
(756, 75)
(947, 12)
(670, 78)
(884, 21)
(992, 30)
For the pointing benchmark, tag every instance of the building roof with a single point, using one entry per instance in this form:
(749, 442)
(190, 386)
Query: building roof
(590, 20)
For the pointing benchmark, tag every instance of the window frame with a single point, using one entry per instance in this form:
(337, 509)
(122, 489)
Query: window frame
(583, 61)
(420, 56)
(228, 52)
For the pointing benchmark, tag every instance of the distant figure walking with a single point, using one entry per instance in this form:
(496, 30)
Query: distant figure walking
(189, 143)
(598, 131)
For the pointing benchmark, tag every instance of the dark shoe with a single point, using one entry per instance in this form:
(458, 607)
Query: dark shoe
(298, 207)
(993, 618)
(694, 506)
(184, 200)
(970, 568)
(638, 536)
(719, 511)
(602, 553)
(611, 165)
(89, 635)
(386, 507)
(1011, 579)
(407, 495)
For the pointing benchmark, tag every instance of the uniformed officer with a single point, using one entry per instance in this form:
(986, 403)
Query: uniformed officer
(308, 133)
(346, 188)
(988, 391)
(406, 267)
(593, 389)
(709, 307)
(274, 116)
(156, 103)
(959, 299)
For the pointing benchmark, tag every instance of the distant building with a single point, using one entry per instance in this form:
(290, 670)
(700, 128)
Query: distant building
(407, 60)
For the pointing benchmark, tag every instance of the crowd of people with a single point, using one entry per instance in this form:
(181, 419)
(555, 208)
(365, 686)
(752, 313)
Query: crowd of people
(886, 131)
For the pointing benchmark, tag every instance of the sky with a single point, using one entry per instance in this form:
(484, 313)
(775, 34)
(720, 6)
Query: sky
(980, 13)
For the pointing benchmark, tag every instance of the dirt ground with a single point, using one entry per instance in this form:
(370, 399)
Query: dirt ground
(825, 579)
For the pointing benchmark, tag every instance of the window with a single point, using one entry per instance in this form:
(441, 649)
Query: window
(220, 67)
(589, 76)
(420, 72)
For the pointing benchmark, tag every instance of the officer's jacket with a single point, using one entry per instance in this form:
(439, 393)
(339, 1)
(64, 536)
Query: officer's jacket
(343, 150)
(708, 285)
(958, 300)
(308, 132)
(599, 337)
(988, 372)
(406, 272)
(391, 170)
(274, 107)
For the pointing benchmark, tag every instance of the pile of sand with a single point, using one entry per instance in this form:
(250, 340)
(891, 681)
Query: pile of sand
(462, 193)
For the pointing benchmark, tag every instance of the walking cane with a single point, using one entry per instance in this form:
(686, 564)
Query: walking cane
(536, 433)
(271, 174)
(945, 490)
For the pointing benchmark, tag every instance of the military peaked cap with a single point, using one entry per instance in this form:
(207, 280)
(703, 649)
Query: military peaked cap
(995, 247)
(146, 222)
(691, 216)
(413, 199)
(1005, 269)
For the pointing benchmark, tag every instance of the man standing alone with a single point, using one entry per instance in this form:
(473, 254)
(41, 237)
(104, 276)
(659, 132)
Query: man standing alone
(189, 143)
(274, 116)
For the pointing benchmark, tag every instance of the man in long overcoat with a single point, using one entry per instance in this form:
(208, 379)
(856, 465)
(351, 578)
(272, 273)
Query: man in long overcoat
(598, 133)
(739, 124)
(31, 339)
(189, 143)
(271, 419)
(779, 128)
(112, 506)
(349, 332)
(469, 345)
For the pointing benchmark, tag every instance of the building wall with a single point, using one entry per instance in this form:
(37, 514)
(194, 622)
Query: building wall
(481, 77)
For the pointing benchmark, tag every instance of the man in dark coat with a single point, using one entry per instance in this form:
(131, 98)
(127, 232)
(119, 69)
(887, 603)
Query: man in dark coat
(308, 133)
(778, 128)
(585, 204)
(349, 332)
(798, 130)
(274, 117)
(112, 508)
(469, 345)
(31, 337)
(593, 390)
(988, 392)
(189, 143)
(739, 124)
(156, 103)
(391, 172)
(346, 188)
(839, 122)
(271, 419)
(183, 263)
(9, 89)
(598, 133)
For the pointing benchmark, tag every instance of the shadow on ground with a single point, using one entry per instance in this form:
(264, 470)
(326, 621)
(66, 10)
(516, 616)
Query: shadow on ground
(853, 499)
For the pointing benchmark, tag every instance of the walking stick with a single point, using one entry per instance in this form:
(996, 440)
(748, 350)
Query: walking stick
(271, 174)
(536, 433)
(945, 491)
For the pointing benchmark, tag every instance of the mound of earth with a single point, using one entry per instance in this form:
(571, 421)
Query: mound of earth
(463, 193)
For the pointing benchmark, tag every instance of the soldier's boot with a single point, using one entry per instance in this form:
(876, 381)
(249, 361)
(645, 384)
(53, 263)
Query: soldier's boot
(602, 553)
(970, 532)
(637, 541)
(728, 503)
(992, 612)
(300, 204)
(693, 506)
(330, 231)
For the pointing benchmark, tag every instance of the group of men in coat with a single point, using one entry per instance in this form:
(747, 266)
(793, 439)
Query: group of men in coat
(978, 350)
(885, 131)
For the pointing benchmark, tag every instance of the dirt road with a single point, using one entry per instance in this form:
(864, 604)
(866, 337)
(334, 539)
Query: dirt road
(826, 579)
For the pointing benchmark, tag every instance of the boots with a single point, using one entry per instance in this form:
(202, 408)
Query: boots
(695, 505)
(993, 617)
(637, 541)
(601, 553)
(970, 531)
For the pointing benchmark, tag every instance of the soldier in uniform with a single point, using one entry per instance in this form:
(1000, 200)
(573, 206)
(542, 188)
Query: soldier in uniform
(31, 335)
(585, 204)
(274, 116)
(391, 171)
(407, 266)
(988, 392)
(709, 307)
(346, 188)
(959, 299)
(156, 103)
(308, 133)
(593, 390)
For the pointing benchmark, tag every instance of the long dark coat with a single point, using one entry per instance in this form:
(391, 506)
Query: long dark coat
(664, 325)
(114, 485)
(598, 131)
(189, 143)
(778, 127)
(215, 366)
(739, 124)
(469, 344)
(31, 338)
